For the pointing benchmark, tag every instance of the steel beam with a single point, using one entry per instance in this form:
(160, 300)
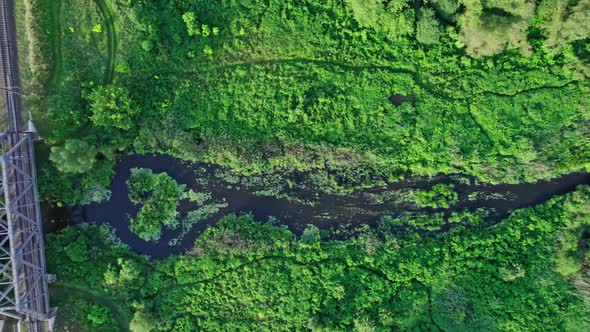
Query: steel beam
(24, 292)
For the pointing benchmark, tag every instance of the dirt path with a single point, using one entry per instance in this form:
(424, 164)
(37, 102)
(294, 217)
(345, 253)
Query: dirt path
(56, 45)
(106, 12)
(414, 73)
(95, 297)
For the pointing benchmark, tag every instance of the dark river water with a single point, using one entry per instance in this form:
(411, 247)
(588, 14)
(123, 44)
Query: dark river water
(326, 211)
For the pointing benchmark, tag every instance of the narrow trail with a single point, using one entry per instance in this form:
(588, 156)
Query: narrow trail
(420, 81)
(57, 69)
(95, 297)
(527, 90)
(108, 18)
(417, 77)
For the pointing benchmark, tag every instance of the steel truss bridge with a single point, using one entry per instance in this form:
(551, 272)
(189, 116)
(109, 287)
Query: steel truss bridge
(24, 294)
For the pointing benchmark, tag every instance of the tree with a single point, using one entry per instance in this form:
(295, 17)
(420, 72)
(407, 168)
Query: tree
(564, 22)
(95, 194)
(427, 29)
(77, 251)
(142, 322)
(75, 156)
(446, 8)
(112, 106)
(98, 315)
(395, 18)
(311, 234)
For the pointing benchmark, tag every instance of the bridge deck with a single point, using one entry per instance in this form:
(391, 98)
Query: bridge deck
(24, 291)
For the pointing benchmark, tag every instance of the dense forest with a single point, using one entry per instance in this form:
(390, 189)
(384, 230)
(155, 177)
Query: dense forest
(348, 93)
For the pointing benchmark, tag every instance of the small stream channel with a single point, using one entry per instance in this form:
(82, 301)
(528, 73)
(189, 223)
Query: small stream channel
(326, 211)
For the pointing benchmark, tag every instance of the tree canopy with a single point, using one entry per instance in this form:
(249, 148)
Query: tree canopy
(75, 156)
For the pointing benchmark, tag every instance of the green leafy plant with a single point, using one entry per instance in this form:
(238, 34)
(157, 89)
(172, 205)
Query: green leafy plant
(98, 315)
(75, 156)
(439, 196)
(159, 195)
(192, 25)
(112, 106)
(346, 284)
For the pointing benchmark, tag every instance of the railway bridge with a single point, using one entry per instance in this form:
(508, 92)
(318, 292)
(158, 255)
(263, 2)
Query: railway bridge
(24, 294)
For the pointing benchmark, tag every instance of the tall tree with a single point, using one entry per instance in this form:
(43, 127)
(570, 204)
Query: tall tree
(428, 29)
(394, 18)
(75, 156)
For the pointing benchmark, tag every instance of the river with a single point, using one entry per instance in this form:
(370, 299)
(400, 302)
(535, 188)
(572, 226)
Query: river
(326, 211)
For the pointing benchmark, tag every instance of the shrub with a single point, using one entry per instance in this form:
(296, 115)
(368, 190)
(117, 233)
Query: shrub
(112, 106)
(159, 194)
(440, 196)
(75, 156)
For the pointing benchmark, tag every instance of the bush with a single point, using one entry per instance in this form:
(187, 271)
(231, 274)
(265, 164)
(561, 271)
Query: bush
(95, 194)
(112, 106)
(98, 315)
(75, 156)
(159, 195)
(440, 196)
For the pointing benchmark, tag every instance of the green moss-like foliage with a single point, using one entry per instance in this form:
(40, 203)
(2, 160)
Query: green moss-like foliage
(159, 195)
(111, 106)
(75, 156)
(439, 196)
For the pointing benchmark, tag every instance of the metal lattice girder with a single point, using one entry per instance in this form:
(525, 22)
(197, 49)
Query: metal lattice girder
(23, 281)
(24, 292)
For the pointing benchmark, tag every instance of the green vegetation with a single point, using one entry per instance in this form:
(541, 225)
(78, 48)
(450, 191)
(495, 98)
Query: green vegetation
(76, 156)
(280, 90)
(245, 275)
(86, 305)
(111, 106)
(498, 89)
(439, 196)
(159, 195)
(574, 244)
